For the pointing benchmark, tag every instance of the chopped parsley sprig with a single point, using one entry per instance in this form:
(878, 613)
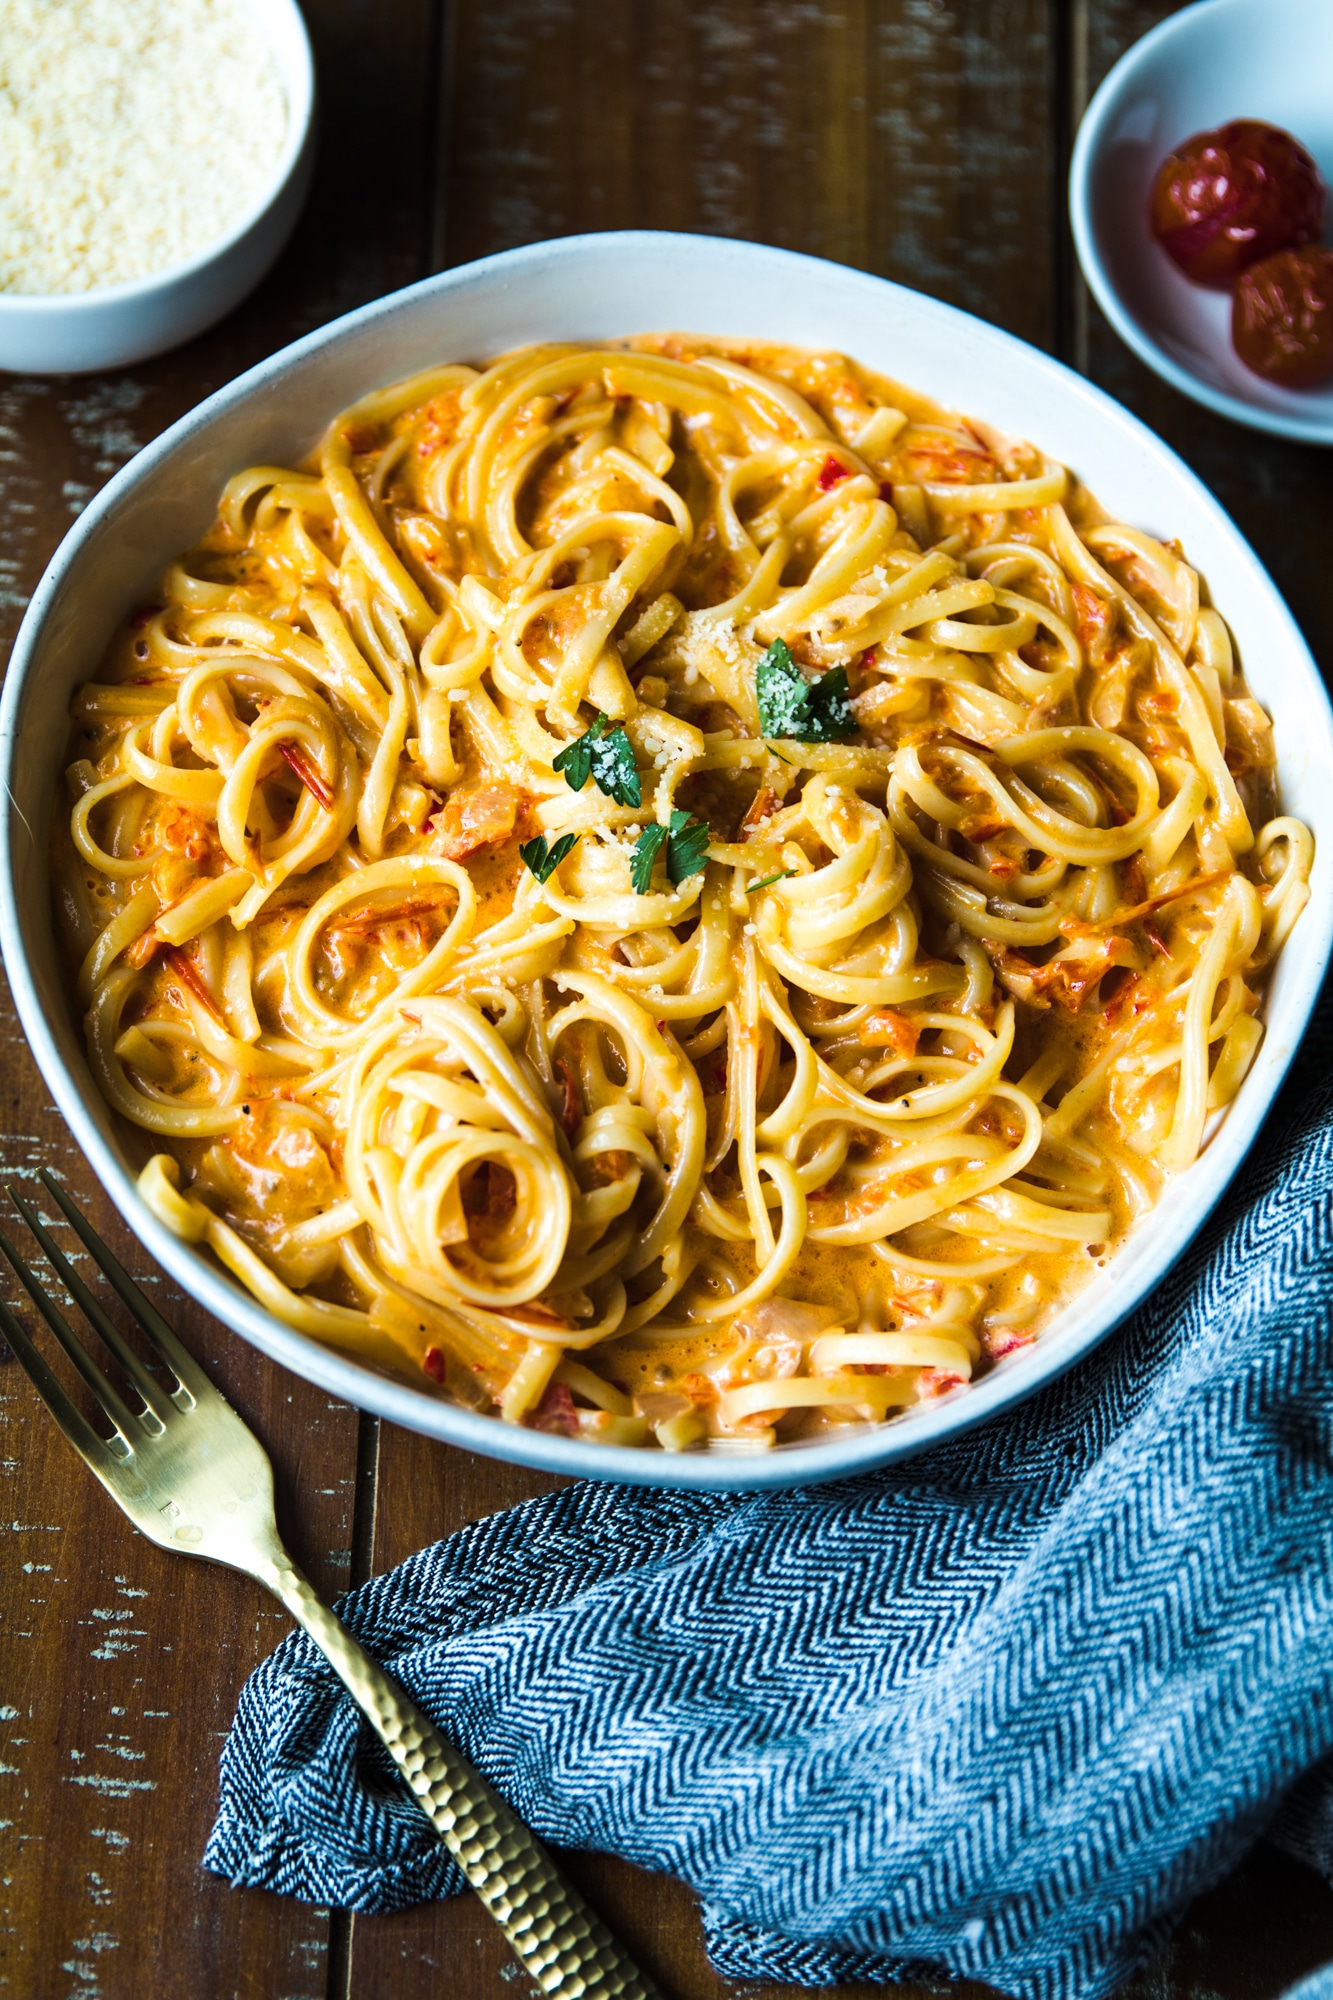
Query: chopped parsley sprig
(542, 861)
(687, 848)
(686, 851)
(604, 753)
(803, 711)
(645, 854)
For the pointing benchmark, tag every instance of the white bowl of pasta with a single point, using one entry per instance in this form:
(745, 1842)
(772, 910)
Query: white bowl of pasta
(664, 907)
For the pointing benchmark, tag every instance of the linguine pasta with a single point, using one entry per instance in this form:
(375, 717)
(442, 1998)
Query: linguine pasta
(674, 889)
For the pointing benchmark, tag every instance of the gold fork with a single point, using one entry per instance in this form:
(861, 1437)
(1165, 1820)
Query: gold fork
(195, 1479)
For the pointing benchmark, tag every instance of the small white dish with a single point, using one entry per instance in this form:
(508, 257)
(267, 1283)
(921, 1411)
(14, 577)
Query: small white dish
(1212, 62)
(598, 288)
(72, 333)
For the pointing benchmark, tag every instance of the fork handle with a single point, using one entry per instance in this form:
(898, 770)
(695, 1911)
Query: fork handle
(560, 1942)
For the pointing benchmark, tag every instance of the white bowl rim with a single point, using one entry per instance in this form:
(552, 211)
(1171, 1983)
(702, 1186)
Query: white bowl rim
(299, 89)
(1087, 147)
(794, 1465)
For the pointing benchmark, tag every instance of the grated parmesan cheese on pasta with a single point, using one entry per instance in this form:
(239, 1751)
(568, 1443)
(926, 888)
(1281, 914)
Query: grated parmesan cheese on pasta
(133, 134)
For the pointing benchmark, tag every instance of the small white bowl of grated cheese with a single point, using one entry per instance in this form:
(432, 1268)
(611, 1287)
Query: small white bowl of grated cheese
(154, 156)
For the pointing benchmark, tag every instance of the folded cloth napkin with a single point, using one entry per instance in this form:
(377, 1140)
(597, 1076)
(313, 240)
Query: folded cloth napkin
(1000, 1711)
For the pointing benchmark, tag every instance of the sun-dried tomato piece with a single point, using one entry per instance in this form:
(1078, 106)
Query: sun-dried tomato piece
(1094, 614)
(555, 1412)
(476, 816)
(571, 1109)
(831, 473)
(887, 1028)
(1007, 1340)
(490, 1196)
(1068, 981)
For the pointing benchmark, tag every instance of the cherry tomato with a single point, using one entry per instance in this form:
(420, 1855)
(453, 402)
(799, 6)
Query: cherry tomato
(1227, 198)
(1282, 318)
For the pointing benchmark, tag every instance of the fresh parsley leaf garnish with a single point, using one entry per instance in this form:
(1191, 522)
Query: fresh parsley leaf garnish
(769, 880)
(687, 848)
(604, 753)
(646, 849)
(686, 851)
(613, 768)
(801, 710)
(542, 860)
(575, 760)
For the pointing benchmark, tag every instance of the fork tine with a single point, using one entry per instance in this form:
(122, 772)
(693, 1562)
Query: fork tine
(152, 1392)
(113, 1404)
(95, 1451)
(179, 1359)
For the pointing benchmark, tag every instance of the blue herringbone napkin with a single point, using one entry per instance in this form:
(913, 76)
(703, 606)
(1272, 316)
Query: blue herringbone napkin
(1002, 1711)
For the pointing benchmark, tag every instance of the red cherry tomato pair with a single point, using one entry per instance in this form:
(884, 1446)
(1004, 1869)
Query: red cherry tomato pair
(1239, 209)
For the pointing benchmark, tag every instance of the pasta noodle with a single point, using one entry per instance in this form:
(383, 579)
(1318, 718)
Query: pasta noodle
(675, 890)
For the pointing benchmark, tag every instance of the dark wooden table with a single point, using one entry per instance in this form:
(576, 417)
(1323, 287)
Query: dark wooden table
(924, 139)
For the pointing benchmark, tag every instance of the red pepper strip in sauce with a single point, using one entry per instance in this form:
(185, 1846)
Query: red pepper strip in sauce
(1079, 927)
(308, 775)
(188, 973)
(397, 913)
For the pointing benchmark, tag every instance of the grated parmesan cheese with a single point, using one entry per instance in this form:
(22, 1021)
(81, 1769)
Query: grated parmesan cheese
(133, 134)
